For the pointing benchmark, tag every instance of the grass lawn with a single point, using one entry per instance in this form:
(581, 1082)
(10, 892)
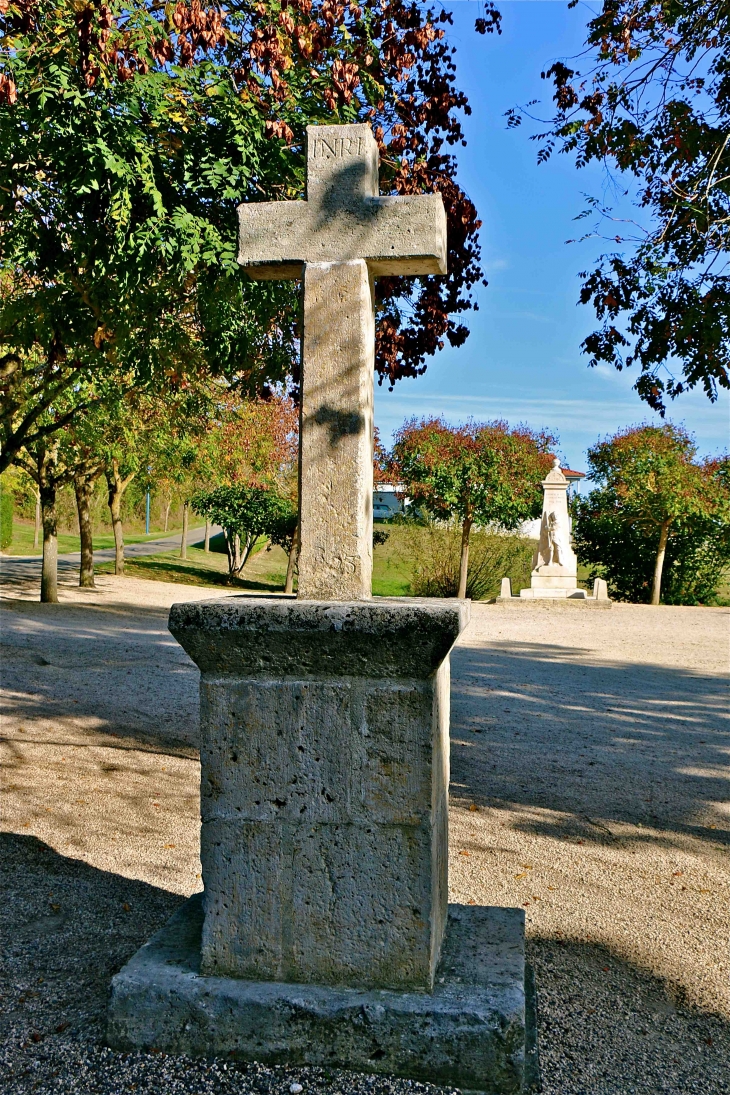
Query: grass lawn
(265, 570)
(22, 543)
(392, 567)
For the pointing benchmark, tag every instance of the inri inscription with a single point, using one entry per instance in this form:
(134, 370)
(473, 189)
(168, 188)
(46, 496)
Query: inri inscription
(338, 147)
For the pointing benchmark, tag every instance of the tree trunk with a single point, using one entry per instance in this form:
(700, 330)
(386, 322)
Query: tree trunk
(37, 530)
(206, 545)
(656, 586)
(464, 562)
(184, 537)
(117, 486)
(49, 573)
(233, 547)
(291, 563)
(115, 508)
(83, 489)
(230, 550)
(248, 547)
(167, 512)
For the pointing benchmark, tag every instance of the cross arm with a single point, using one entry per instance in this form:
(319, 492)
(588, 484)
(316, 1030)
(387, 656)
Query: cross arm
(268, 231)
(395, 235)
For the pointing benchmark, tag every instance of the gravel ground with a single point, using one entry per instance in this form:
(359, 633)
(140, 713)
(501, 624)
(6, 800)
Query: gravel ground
(589, 785)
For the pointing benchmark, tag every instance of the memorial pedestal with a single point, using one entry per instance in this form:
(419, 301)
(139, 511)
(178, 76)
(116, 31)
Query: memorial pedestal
(324, 845)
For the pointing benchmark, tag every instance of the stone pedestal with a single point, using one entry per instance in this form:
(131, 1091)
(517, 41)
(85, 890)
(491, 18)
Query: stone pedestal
(324, 784)
(554, 564)
(324, 844)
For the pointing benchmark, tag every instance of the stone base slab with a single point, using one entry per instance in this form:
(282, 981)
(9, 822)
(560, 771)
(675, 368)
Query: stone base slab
(549, 602)
(553, 578)
(546, 593)
(476, 1030)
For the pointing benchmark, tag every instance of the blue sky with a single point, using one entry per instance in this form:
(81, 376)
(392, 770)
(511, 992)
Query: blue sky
(522, 360)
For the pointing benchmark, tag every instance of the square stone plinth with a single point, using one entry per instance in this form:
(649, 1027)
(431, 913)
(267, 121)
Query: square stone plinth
(476, 1030)
(324, 785)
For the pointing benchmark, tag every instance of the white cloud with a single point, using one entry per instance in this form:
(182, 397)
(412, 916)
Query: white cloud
(579, 422)
(493, 265)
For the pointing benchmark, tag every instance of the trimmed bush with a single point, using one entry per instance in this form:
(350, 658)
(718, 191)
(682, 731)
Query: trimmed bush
(436, 550)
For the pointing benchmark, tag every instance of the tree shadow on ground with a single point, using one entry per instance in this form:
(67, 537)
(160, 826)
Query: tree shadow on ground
(110, 670)
(68, 927)
(580, 744)
(188, 574)
(609, 1026)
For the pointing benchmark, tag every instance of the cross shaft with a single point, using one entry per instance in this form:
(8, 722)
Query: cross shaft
(337, 241)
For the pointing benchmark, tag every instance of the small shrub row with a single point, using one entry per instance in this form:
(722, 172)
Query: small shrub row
(434, 552)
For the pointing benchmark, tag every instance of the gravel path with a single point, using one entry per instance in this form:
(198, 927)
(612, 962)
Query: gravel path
(589, 785)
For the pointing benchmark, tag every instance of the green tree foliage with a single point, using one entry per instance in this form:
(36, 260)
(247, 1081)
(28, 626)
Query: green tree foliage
(481, 473)
(652, 100)
(657, 526)
(283, 528)
(136, 435)
(129, 133)
(121, 163)
(284, 532)
(245, 514)
(253, 441)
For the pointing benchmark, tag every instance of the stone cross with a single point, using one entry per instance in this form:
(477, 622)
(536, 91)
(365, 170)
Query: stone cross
(324, 935)
(337, 241)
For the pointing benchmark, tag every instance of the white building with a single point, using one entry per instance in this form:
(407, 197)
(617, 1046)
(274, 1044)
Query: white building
(386, 503)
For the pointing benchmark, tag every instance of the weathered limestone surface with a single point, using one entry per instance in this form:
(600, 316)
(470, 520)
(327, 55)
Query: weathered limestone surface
(337, 241)
(336, 469)
(475, 1031)
(325, 768)
(344, 217)
(600, 589)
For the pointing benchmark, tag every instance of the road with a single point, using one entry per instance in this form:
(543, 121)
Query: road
(21, 569)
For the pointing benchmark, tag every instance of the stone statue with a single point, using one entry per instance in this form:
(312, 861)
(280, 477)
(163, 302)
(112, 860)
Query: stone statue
(558, 541)
(554, 565)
